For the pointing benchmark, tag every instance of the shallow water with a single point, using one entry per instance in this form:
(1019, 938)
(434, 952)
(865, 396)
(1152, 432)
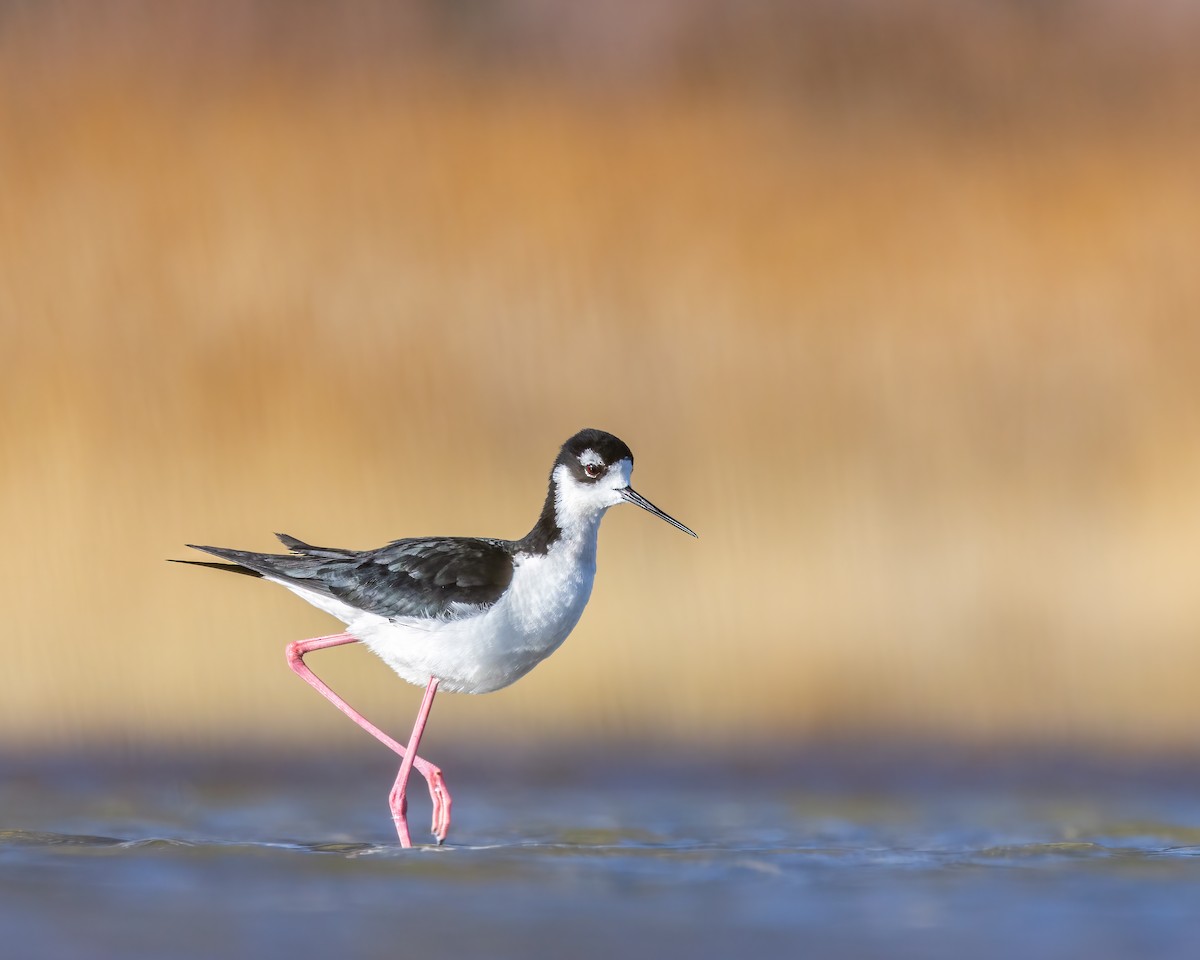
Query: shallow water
(834, 855)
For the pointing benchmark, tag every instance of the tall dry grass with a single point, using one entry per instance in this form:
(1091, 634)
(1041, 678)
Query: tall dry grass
(925, 381)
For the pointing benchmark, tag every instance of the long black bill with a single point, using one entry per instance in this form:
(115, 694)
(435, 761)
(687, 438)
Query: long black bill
(629, 495)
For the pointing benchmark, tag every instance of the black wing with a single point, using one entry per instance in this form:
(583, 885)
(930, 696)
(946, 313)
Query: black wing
(421, 577)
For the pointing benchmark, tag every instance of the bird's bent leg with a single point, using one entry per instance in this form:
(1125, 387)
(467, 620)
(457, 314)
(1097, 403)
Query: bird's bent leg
(397, 799)
(439, 793)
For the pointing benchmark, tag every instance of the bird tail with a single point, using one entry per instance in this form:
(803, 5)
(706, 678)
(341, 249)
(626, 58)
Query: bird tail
(231, 567)
(301, 564)
(237, 561)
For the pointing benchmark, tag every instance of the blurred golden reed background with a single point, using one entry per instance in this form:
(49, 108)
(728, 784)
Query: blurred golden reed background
(896, 305)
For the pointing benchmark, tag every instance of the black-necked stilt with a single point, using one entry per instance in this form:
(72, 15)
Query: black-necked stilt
(462, 614)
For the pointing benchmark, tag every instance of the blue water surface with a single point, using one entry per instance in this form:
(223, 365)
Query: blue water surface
(848, 852)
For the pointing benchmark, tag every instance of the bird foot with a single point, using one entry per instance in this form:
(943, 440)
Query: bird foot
(439, 793)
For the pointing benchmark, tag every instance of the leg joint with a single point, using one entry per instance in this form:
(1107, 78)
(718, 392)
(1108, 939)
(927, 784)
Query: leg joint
(295, 654)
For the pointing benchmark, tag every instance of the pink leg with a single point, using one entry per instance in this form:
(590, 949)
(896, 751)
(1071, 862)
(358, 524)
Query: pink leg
(439, 793)
(397, 799)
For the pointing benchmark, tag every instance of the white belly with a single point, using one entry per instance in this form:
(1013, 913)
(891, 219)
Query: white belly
(486, 651)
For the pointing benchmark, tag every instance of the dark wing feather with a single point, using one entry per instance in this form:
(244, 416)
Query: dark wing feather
(423, 577)
(299, 546)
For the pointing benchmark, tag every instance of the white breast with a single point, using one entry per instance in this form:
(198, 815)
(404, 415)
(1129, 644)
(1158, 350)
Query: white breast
(484, 651)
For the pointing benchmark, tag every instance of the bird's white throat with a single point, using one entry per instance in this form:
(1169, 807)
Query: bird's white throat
(579, 507)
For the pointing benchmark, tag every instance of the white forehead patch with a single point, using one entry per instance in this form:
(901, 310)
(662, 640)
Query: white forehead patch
(590, 458)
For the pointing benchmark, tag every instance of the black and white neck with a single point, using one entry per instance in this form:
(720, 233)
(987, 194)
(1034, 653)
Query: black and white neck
(590, 474)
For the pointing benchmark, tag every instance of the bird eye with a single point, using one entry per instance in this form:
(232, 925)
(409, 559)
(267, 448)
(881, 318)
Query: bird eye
(592, 470)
